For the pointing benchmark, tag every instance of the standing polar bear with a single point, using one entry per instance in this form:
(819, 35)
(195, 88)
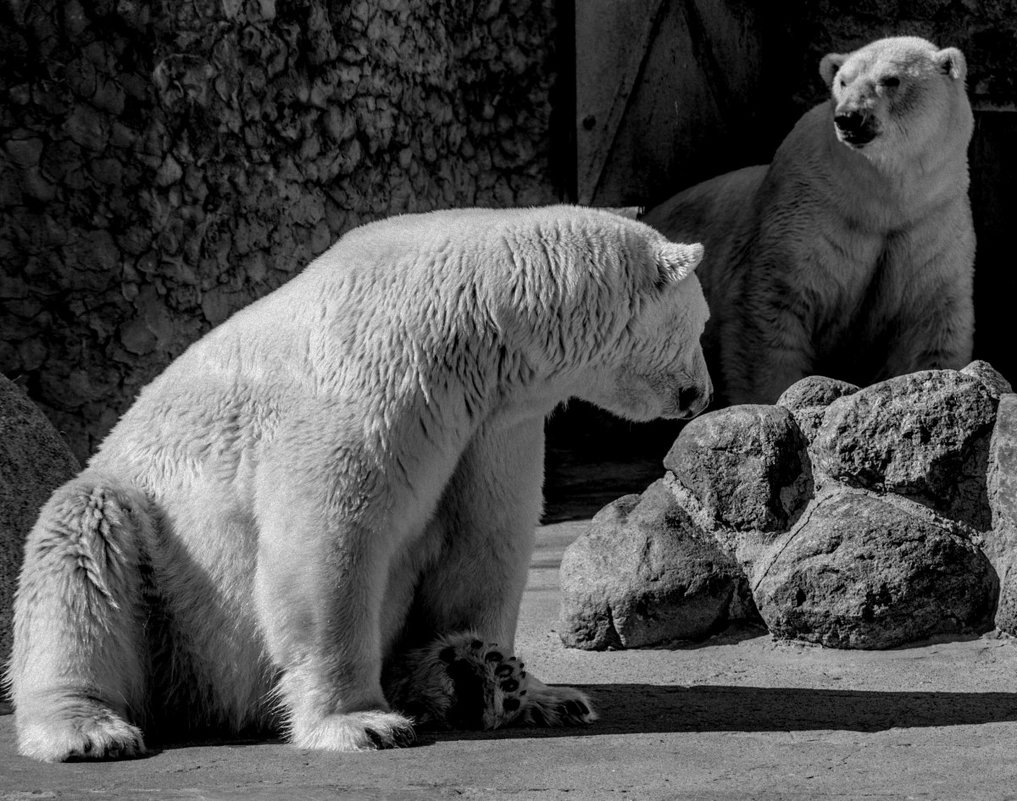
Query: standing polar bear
(852, 253)
(336, 490)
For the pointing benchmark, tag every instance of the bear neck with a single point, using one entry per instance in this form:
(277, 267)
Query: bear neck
(886, 194)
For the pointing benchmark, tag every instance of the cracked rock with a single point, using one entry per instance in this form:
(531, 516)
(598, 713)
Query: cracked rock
(863, 571)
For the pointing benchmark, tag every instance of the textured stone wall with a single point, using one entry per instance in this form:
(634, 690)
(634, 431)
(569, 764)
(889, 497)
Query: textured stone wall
(163, 163)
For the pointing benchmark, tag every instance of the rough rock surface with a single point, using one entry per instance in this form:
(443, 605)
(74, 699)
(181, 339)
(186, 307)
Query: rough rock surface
(34, 460)
(746, 465)
(924, 436)
(990, 377)
(1001, 541)
(1006, 608)
(808, 400)
(645, 574)
(860, 571)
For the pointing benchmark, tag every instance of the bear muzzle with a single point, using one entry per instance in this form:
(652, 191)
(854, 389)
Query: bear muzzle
(855, 128)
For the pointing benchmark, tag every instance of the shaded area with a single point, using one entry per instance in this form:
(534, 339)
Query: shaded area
(659, 709)
(593, 457)
(664, 709)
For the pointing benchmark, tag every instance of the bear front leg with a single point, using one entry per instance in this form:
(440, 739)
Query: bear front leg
(320, 579)
(468, 601)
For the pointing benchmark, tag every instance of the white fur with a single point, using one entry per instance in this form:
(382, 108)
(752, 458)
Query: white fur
(342, 472)
(850, 260)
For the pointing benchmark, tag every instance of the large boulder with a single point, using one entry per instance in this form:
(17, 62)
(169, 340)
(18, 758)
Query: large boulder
(646, 574)
(748, 469)
(34, 460)
(923, 436)
(1001, 541)
(864, 571)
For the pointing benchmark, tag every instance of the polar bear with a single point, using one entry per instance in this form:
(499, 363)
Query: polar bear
(852, 253)
(336, 490)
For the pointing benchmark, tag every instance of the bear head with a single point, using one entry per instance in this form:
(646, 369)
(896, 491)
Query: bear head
(898, 97)
(657, 369)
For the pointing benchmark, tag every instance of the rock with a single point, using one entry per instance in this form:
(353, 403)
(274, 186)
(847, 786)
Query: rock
(924, 436)
(861, 571)
(990, 377)
(1001, 541)
(645, 574)
(34, 461)
(747, 466)
(808, 400)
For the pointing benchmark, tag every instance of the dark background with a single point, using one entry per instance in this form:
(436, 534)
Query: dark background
(165, 163)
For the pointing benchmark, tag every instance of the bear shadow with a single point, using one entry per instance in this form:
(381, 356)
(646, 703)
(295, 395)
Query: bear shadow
(664, 709)
(661, 709)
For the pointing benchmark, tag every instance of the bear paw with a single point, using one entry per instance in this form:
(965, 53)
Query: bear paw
(354, 731)
(488, 687)
(458, 681)
(554, 706)
(97, 734)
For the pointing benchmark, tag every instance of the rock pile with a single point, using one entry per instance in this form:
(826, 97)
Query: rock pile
(854, 518)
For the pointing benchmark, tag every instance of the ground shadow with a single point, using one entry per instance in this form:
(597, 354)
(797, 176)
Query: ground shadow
(654, 709)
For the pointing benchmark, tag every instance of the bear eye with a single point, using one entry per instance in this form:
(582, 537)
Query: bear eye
(842, 83)
(890, 82)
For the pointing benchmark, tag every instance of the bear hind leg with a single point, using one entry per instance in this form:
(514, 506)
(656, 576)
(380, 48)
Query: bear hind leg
(78, 669)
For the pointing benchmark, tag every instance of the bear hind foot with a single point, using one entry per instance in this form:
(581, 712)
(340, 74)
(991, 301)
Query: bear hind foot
(488, 688)
(460, 681)
(500, 691)
(555, 706)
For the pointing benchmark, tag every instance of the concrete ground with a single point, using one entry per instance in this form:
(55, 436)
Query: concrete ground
(737, 717)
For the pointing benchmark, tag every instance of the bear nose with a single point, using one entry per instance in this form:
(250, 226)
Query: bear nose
(850, 121)
(692, 400)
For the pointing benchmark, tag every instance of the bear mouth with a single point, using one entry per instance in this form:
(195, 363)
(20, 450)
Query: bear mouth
(855, 135)
(856, 139)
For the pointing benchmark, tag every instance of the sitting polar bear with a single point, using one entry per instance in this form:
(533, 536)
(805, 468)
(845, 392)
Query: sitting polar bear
(337, 489)
(852, 254)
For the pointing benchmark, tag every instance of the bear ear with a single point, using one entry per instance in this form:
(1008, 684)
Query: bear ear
(829, 65)
(950, 61)
(676, 261)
